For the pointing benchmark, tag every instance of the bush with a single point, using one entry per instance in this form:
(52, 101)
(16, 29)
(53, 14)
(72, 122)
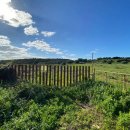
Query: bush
(109, 61)
(7, 75)
(124, 62)
(123, 121)
(87, 106)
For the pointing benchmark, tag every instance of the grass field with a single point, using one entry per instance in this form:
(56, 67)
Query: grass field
(120, 68)
(113, 73)
(115, 67)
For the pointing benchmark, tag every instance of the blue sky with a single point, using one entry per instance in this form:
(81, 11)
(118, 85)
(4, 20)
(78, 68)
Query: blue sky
(64, 28)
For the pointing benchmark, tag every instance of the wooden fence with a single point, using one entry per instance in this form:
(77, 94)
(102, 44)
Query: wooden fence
(52, 75)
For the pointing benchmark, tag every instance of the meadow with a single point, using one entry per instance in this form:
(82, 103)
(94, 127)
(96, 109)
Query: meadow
(114, 67)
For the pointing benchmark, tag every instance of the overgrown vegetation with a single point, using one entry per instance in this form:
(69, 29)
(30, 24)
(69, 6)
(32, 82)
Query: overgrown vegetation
(87, 106)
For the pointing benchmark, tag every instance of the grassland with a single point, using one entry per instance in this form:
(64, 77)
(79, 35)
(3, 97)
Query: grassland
(120, 68)
(117, 74)
(86, 106)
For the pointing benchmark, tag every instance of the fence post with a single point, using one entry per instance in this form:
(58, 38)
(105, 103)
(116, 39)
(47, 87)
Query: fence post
(77, 74)
(39, 74)
(83, 74)
(88, 72)
(61, 76)
(74, 74)
(65, 71)
(70, 75)
(67, 74)
(50, 74)
(54, 75)
(25, 72)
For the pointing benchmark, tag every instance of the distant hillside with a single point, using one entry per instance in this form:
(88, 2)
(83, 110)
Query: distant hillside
(37, 61)
(106, 60)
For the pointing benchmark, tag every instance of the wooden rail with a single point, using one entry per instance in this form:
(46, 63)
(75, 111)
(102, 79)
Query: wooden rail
(52, 75)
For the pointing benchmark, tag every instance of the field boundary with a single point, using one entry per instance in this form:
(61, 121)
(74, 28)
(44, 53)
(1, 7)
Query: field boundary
(52, 75)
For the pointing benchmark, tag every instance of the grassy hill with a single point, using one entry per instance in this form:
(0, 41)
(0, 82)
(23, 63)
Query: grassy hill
(87, 106)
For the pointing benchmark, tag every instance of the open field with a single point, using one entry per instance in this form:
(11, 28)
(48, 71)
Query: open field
(117, 74)
(114, 67)
(119, 68)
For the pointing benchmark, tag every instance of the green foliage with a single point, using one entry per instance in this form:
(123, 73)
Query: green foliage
(87, 106)
(51, 113)
(123, 121)
(29, 119)
(77, 120)
(6, 97)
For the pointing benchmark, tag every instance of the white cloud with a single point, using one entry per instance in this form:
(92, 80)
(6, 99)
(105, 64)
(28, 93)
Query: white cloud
(48, 34)
(31, 30)
(42, 46)
(14, 17)
(8, 51)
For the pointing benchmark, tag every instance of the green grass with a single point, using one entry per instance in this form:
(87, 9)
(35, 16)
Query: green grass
(120, 68)
(86, 106)
(114, 67)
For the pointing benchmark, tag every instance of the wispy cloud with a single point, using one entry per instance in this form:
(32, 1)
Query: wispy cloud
(42, 46)
(48, 34)
(8, 51)
(31, 30)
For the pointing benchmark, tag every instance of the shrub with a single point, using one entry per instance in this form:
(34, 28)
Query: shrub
(7, 75)
(90, 105)
(123, 121)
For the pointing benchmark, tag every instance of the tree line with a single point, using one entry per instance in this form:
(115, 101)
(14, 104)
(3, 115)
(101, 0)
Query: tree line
(108, 60)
